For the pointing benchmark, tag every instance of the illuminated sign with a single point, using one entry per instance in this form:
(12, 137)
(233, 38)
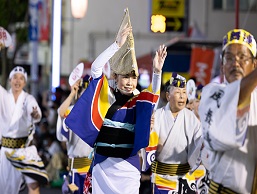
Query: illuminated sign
(173, 11)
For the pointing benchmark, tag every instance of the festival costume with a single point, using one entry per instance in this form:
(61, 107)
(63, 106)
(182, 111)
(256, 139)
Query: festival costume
(201, 173)
(78, 152)
(128, 117)
(173, 150)
(230, 136)
(117, 125)
(18, 159)
(229, 130)
(202, 179)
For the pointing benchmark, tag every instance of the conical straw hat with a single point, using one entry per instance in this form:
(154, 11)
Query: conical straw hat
(124, 60)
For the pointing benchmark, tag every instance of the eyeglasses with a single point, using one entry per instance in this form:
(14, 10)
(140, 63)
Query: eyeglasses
(242, 60)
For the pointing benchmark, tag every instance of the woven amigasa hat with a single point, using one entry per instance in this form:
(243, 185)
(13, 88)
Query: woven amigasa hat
(240, 36)
(124, 60)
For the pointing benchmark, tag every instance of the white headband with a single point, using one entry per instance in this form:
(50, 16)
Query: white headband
(18, 69)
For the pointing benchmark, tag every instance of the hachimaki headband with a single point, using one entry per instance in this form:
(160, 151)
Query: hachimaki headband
(177, 80)
(240, 36)
(20, 70)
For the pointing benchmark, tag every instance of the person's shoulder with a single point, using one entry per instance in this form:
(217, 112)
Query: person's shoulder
(2, 88)
(191, 115)
(30, 97)
(189, 112)
(209, 88)
(214, 85)
(162, 109)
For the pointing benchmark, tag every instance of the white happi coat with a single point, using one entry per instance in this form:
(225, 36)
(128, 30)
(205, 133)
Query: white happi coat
(15, 122)
(229, 135)
(180, 139)
(177, 141)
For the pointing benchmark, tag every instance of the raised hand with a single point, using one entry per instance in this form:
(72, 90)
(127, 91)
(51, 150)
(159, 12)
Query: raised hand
(34, 114)
(123, 34)
(159, 59)
(75, 87)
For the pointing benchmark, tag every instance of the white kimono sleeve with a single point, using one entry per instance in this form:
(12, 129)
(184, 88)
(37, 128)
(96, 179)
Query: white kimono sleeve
(32, 103)
(195, 147)
(3, 93)
(102, 59)
(223, 129)
(59, 124)
(156, 82)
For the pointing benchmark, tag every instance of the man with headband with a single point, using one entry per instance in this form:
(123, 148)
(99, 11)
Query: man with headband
(228, 115)
(19, 111)
(175, 142)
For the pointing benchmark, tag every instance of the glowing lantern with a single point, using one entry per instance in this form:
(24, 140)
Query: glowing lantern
(158, 23)
(79, 8)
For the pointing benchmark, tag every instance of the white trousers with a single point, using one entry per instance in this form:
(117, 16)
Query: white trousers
(115, 176)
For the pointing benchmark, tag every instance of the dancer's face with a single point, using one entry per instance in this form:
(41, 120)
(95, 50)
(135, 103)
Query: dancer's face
(18, 82)
(126, 83)
(237, 62)
(177, 98)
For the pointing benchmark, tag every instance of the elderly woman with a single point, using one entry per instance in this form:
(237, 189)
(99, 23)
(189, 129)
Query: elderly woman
(175, 142)
(117, 121)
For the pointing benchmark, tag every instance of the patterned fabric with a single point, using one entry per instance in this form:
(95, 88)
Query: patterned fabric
(87, 116)
(88, 184)
(201, 175)
(182, 185)
(240, 36)
(79, 163)
(231, 152)
(29, 163)
(171, 169)
(218, 188)
(177, 80)
(14, 142)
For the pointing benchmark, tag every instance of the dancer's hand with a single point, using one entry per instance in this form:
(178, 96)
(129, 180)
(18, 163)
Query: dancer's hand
(123, 34)
(159, 59)
(35, 114)
(75, 88)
